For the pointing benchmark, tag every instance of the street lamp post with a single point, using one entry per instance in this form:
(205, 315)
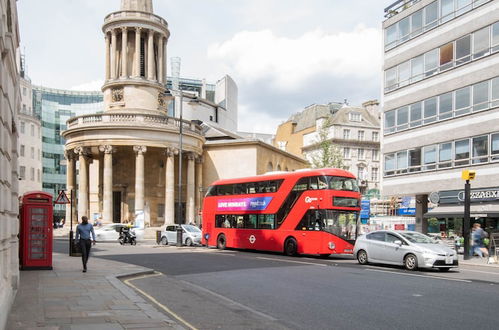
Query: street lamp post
(179, 207)
(467, 175)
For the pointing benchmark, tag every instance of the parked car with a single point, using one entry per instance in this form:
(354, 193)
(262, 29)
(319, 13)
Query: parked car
(111, 232)
(190, 235)
(411, 249)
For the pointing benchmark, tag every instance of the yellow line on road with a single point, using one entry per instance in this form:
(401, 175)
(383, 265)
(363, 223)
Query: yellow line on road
(151, 298)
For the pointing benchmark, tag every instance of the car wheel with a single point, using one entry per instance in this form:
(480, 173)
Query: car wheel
(411, 262)
(444, 269)
(221, 242)
(290, 247)
(188, 242)
(362, 257)
(164, 240)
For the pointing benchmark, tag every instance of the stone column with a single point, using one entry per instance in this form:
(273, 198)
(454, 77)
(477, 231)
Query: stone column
(139, 177)
(107, 56)
(190, 188)
(70, 182)
(170, 187)
(137, 51)
(150, 56)
(421, 209)
(82, 153)
(107, 194)
(160, 73)
(113, 54)
(164, 60)
(199, 189)
(124, 52)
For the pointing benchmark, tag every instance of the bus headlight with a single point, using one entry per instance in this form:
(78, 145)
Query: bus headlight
(331, 245)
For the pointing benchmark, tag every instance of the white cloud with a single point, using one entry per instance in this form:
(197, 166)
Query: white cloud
(94, 85)
(289, 62)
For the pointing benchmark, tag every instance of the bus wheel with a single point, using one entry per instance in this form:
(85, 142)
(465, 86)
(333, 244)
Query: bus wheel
(221, 242)
(290, 247)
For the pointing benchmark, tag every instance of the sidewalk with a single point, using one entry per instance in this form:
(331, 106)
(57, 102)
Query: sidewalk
(476, 261)
(67, 299)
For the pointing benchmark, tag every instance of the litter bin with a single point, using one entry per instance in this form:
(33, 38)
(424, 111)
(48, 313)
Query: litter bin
(158, 236)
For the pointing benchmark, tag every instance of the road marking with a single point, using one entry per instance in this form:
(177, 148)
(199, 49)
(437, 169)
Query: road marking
(416, 275)
(294, 262)
(478, 271)
(151, 298)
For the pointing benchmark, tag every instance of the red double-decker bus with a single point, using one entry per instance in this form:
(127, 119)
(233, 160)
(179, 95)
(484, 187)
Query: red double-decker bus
(302, 212)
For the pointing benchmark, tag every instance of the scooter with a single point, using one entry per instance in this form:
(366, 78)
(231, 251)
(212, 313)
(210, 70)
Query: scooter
(127, 235)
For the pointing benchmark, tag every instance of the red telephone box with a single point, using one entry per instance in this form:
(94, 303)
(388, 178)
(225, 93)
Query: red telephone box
(35, 244)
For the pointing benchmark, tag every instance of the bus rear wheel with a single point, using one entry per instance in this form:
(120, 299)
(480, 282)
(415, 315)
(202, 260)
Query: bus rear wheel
(290, 247)
(221, 242)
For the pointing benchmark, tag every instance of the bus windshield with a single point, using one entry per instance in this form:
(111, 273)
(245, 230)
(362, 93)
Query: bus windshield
(340, 223)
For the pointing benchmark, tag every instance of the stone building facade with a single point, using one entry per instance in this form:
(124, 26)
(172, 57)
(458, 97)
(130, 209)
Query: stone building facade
(10, 101)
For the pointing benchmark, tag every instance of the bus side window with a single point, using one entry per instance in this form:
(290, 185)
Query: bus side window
(252, 220)
(313, 183)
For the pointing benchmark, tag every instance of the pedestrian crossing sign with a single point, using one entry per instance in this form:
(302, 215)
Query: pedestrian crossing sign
(62, 198)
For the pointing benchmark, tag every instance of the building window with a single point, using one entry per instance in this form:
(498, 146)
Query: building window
(402, 118)
(32, 130)
(32, 174)
(445, 106)
(429, 157)
(430, 110)
(360, 153)
(374, 174)
(445, 155)
(480, 96)
(346, 134)
(480, 149)
(32, 152)
(361, 135)
(375, 154)
(38, 175)
(346, 152)
(481, 42)
(23, 127)
(463, 50)
(21, 150)
(22, 172)
(462, 152)
(375, 136)
(355, 116)
(494, 146)
(361, 173)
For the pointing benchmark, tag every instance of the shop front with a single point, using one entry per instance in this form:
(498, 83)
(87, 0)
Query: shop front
(447, 217)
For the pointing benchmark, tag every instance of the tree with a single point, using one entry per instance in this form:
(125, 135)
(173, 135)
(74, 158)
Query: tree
(327, 153)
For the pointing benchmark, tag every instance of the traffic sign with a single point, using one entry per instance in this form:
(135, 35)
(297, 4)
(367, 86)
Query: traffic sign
(62, 198)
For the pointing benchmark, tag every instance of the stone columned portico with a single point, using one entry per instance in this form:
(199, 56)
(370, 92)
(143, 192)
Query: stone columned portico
(128, 155)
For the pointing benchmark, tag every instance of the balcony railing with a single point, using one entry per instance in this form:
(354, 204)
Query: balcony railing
(136, 14)
(132, 119)
(398, 7)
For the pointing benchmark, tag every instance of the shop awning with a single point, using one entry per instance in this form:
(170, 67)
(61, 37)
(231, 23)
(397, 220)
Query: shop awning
(476, 210)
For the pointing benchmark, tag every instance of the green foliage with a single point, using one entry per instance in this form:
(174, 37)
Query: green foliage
(327, 154)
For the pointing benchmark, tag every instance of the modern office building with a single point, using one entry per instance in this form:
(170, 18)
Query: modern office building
(441, 108)
(30, 140)
(353, 131)
(10, 102)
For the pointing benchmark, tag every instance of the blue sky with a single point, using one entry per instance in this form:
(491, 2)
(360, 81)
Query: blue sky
(283, 54)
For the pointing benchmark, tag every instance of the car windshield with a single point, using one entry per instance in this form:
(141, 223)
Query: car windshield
(418, 238)
(192, 229)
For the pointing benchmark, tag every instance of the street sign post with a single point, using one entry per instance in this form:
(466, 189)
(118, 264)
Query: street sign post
(467, 175)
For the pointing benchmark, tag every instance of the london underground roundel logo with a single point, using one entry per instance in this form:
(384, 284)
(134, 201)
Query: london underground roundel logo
(252, 239)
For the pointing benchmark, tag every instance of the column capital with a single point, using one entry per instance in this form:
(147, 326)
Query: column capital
(70, 154)
(170, 152)
(124, 28)
(139, 149)
(113, 31)
(82, 151)
(138, 29)
(199, 159)
(191, 156)
(107, 149)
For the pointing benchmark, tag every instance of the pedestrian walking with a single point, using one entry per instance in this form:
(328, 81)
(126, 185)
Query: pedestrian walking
(477, 236)
(83, 232)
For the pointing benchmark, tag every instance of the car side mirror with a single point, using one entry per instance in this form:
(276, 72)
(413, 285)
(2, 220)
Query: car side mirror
(398, 242)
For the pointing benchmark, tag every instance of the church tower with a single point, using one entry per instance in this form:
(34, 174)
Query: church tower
(135, 73)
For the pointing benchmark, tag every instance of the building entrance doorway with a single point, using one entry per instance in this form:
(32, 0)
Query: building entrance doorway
(116, 206)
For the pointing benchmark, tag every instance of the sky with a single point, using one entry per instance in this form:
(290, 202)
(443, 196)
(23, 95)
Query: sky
(284, 55)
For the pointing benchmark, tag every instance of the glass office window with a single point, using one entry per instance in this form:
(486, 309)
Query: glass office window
(430, 110)
(404, 29)
(431, 15)
(391, 35)
(402, 161)
(445, 106)
(390, 121)
(461, 152)
(463, 6)
(415, 160)
(463, 101)
(463, 50)
(495, 38)
(415, 114)
(402, 118)
(417, 23)
(446, 10)
(404, 73)
(481, 42)
(391, 78)
(481, 96)
(431, 62)
(417, 68)
(445, 155)
(429, 157)
(495, 92)
(389, 164)
(447, 56)
(480, 149)
(494, 146)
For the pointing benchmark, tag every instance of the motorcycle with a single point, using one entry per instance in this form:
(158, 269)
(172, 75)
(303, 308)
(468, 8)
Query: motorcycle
(127, 235)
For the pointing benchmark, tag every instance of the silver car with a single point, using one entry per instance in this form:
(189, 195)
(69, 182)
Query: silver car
(190, 235)
(409, 248)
